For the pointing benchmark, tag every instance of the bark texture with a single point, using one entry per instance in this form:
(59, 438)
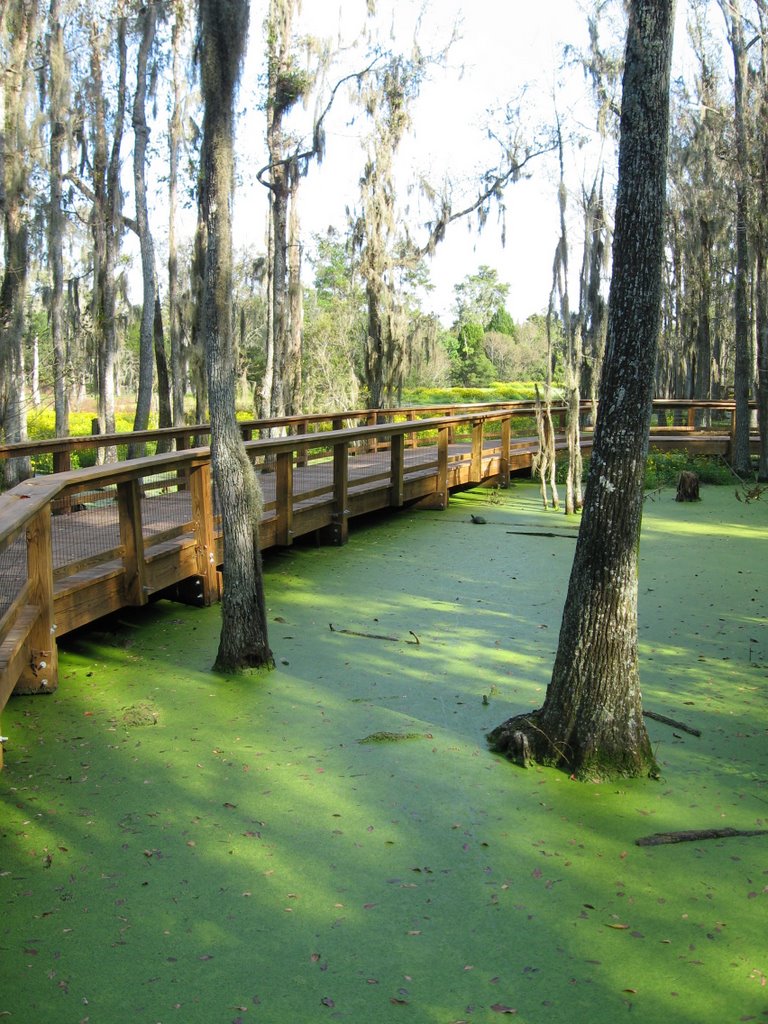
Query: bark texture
(147, 22)
(591, 723)
(243, 642)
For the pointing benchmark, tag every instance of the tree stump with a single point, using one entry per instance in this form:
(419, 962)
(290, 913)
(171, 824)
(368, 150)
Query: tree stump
(687, 487)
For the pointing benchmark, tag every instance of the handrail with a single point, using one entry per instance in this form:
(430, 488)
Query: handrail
(57, 445)
(62, 447)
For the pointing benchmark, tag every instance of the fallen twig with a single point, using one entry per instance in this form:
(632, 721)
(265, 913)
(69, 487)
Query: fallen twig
(673, 722)
(542, 533)
(693, 835)
(376, 636)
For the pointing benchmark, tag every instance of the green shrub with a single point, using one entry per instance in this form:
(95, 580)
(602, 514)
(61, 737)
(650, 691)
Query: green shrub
(515, 391)
(662, 469)
(41, 425)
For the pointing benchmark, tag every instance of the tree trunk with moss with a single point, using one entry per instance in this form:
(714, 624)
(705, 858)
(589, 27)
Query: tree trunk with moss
(592, 723)
(16, 217)
(243, 642)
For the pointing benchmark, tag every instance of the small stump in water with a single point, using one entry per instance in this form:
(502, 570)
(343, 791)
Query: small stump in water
(687, 487)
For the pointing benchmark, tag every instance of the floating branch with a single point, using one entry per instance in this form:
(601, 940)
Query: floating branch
(694, 835)
(376, 636)
(542, 533)
(673, 722)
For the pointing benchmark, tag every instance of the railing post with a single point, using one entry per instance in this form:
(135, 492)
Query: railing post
(443, 435)
(506, 441)
(132, 539)
(62, 461)
(397, 470)
(372, 444)
(476, 465)
(302, 455)
(205, 538)
(340, 519)
(42, 673)
(284, 498)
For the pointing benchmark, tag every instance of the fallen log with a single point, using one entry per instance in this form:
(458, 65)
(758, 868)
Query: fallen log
(694, 835)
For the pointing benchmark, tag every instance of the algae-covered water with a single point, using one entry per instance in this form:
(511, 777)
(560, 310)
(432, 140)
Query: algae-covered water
(181, 847)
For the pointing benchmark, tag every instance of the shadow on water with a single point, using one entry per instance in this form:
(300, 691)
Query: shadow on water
(178, 846)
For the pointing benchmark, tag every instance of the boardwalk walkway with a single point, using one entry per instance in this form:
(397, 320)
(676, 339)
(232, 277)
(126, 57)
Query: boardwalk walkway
(77, 545)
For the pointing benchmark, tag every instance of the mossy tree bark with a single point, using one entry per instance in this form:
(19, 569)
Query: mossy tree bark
(591, 723)
(243, 642)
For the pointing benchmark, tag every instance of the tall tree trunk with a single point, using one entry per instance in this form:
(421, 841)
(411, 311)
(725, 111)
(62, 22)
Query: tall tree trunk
(21, 21)
(243, 642)
(164, 410)
(742, 370)
(58, 133)
(106, 220)
(293, 354)
(147, 22)
(175, 132)
(592, 723)
(284, 88)
(762, 253)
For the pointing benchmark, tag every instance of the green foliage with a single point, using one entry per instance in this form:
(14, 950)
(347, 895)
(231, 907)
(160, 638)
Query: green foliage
(663, 468)
(512, 391)
(41, 425)
(479, 296)
(471, 366)
(502, 323)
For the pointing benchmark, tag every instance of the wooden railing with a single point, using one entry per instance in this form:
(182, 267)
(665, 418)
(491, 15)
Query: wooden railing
(79, 544)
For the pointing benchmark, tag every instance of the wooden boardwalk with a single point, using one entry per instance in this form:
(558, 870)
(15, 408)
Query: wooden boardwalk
(77, 545)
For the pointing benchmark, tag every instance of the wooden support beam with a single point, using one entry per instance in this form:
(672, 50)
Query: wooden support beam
(438, 499)
(62, 461)
(397, 470)
(40, 673)
(284, 498)
(201, 488)
(476, 465)
(506, 439)
(340, 524)
(132, 538)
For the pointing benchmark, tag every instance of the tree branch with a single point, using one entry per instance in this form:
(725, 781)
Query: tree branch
(317, 140)
(497, 184)
(90, 195)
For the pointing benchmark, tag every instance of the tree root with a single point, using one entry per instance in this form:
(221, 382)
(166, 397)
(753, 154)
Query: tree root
(522, 741)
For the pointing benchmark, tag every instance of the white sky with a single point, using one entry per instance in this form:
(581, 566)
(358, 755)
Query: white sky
(503, 45)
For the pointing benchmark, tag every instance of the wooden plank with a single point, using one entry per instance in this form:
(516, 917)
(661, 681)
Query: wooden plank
(14, 650)
(88, 599)
(62, 572)
(169, 565)
(12, 611)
